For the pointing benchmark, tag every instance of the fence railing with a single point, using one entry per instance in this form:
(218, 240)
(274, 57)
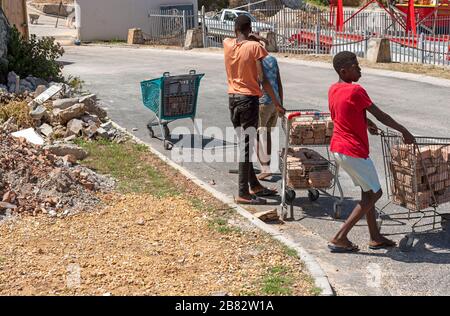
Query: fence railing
(312, 32)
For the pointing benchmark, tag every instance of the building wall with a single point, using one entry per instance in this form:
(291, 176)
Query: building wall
(16, 13)
(111, 19)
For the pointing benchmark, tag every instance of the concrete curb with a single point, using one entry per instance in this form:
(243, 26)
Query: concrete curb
(320, 278)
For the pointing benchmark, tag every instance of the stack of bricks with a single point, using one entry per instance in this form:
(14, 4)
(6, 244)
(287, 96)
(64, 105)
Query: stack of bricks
(410, 171)
(309, 131)
(306, 168)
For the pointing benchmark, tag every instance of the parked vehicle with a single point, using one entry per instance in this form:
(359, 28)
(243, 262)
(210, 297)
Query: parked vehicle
(222, 23)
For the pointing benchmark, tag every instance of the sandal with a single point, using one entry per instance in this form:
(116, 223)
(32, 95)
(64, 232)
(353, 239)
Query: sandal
(340, 249)
(265, 192)
(253, 201)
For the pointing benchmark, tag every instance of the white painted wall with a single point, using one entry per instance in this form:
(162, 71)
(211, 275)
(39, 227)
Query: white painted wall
(111, 19)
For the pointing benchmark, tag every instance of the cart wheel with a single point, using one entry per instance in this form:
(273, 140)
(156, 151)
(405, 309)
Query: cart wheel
(166, 132)
(168, 145)
(337, 210)
(290, 196)
(313, 195)
(150, 131)
(444, 222)
(406, 243)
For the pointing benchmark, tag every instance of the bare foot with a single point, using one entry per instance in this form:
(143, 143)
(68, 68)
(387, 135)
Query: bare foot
(264, 175)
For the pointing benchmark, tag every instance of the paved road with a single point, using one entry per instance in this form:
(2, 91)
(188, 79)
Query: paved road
(114, 74)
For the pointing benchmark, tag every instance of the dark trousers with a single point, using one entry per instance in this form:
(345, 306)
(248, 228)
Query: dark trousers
(244, 111)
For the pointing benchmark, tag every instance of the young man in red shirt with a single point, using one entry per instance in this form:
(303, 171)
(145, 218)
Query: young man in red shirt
(349, 104)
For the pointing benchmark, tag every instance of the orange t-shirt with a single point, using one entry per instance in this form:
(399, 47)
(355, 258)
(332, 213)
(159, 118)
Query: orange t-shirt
(240, 64)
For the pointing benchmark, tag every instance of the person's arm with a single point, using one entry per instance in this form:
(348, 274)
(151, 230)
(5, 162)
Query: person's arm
(280, 88)
(372, 127)
(260, 71)
(390, 122)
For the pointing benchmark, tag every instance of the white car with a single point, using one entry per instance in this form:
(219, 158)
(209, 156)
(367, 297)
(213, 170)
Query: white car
(222, 23)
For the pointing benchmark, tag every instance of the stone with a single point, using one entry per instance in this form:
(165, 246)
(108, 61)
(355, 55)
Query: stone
(107, 126)
(75, 111)
(102, 133)
(90, 103)
(90, 131)
(194, 39)
(7, 205)
(46, 130)
(40, 89)
(69, 159)
(26, 85)
(74, 127)
(271, 215)
(64, 103)
(62, 150)
(10, 125)
(135, 36)
(70, 138)
(87, 118)
(38, 112)
(379, 50)
(141, 222)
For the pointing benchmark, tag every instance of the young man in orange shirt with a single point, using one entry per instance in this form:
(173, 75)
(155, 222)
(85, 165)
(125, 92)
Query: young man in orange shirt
(349, 104)
(244, 73)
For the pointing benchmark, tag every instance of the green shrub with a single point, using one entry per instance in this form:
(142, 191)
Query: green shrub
(35, 57)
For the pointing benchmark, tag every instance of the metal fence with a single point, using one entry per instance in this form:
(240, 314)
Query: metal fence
(169, 27)
(312, 31)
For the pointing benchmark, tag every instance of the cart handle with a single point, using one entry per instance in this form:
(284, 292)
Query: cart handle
(293, 115)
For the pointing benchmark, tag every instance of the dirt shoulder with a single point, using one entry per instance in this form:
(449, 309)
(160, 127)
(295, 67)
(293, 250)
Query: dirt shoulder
(157, 235)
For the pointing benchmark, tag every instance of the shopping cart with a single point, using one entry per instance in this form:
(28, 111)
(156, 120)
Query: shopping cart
(418, 179)
(296, 140)
(170, 98)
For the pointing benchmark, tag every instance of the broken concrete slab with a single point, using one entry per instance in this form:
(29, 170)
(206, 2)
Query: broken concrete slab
(75, 111)
(40, 89)
(87, 118)
(63, 104)
(102, 132)
(38, 112)
(74, 127)
(62, 150)
(30, 135)
(46, 130)
(90, 102)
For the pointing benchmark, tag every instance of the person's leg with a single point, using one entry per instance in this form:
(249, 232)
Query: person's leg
(247, 112)
(262, 148)
(376, 238)
(265, 150)
(368, 200)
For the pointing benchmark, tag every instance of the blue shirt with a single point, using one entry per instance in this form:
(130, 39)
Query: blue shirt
(270, 68)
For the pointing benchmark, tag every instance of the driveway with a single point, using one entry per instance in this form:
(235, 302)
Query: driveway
(114, 74)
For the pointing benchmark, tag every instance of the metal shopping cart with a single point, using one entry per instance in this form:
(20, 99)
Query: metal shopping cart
(418, 179)
(170, 98)
(320, 174)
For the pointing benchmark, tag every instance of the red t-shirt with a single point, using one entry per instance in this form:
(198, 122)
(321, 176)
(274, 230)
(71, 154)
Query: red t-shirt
(348, 103)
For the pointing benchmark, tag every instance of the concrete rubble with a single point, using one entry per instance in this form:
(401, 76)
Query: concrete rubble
(38, 159)
(33, 180)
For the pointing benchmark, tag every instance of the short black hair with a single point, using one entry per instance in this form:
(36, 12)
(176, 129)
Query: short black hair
(243, 23)
(343, 59)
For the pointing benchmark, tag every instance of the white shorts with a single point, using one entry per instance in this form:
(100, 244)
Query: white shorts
(361, 171)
